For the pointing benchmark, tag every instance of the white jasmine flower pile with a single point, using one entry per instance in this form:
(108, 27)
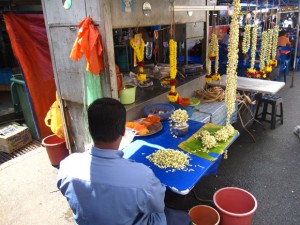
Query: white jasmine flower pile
(169, 158)
(179, 116)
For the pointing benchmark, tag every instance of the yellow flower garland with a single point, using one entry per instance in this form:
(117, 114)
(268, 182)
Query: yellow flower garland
(139, 50)
(230, 91)
(246, 39)
(173, 95)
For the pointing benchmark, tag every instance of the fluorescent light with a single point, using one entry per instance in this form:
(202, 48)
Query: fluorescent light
(179, 8)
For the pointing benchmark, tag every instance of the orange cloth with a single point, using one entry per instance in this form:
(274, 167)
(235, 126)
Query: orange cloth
(88, 43)
(283, 41)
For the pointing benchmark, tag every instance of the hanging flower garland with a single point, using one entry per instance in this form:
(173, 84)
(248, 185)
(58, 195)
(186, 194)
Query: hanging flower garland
(173, 95)
(230, 92)
(213, 55)
(262, 56)
(251, 72)
(246, 39)
(268, 68)
(139, 50)
(273, 61)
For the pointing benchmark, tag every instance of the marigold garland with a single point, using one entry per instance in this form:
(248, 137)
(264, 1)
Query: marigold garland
(173, 95)
(139, 50)
(246, 39)
(230, 92)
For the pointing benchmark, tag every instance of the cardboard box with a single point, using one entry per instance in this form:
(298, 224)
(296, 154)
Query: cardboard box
(13, 137)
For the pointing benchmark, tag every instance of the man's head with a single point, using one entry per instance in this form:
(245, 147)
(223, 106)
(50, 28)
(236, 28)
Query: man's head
(284, 33)
(106, 117)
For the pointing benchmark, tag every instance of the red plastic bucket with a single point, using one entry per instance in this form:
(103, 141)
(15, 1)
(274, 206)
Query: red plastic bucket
(56, 149)
(204, 215)
(235, 205)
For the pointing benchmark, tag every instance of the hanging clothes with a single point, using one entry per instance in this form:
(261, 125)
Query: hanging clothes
(88, 43)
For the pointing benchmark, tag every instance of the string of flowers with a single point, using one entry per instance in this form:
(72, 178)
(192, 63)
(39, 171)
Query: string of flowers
(275, 41)
(262, 56)
(268, 67)
(213, 54)
(208, 70)
(230, 92)
(251, 72)
(273, 61)
(246, 39)
(269, 45)
(215, 48)
(173, 95)
(253, 48)
(139, 50)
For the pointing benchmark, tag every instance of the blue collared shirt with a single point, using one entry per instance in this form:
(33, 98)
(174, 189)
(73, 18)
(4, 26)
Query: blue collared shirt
(104, 188)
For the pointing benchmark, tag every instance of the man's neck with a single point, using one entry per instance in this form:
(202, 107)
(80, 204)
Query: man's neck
(108, 145)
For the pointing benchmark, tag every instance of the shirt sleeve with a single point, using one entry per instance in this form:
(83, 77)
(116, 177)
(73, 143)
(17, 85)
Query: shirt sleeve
(154, 205)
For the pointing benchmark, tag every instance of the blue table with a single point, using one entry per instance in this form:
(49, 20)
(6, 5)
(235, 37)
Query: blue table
(179, 181)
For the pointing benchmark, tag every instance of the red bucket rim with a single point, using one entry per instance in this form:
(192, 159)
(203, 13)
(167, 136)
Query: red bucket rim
(206, 206)
(50, 136)
(235, 214)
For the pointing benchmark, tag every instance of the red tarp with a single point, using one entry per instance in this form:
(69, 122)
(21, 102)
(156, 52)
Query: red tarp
(27, 33)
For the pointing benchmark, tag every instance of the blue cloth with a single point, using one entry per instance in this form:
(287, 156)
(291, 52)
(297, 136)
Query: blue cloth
(104, 188)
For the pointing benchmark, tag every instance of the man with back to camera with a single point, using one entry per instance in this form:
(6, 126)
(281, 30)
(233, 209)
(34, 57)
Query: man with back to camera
(283, 39)
(101, 186)
(104, 188)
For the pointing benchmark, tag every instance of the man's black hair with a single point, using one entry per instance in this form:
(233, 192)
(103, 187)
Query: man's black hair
(282, 33)
(106, 117)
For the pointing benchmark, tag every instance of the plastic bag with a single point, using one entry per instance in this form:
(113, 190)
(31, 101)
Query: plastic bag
(54, 120)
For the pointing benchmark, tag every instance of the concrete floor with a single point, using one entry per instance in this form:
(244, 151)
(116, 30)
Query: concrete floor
(269, 169)
(28, 192)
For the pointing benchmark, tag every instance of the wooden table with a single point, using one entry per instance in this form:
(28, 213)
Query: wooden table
(180, 182)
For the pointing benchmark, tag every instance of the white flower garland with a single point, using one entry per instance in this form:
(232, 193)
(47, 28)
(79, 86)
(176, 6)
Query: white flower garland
(246, 39)
(230, 92)
(208, 70)
(215, 49)
(269, 46)
(263, 48)
(253, 47)
(275, 41)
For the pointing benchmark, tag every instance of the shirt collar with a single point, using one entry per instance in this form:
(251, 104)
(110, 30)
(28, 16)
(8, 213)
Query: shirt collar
(106, 153)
